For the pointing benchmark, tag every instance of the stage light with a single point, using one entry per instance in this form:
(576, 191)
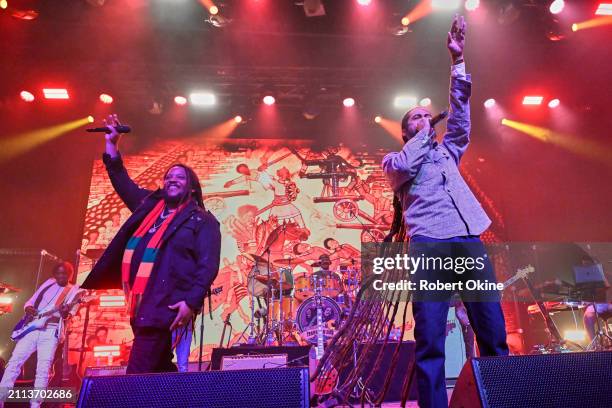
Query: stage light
(554, 103)
(604, 9)
(405, 101)
(348, 102)
(425, 102)
(489, 103)
(107, 351)
(55, 93)
(180, 100)
(364, 2)
(533, 100)
(445, 4)
(90, 119)
(106, 98)
(574, 335)
(405, 21)
(238, 119)
(26, 96)
(471, 5)
(202, 98)
(601, 21)
(6, 300)
(269, 100)
(377, 119)
(112, 301)
(556, 6)
(214, 10)
(3, 4)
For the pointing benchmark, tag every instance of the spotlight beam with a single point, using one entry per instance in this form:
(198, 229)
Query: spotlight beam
(394, 128)
(592, 23)
(18, 144)
(220, 131)
(570, 143)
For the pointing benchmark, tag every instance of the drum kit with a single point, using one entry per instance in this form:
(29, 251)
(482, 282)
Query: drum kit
(283, 306)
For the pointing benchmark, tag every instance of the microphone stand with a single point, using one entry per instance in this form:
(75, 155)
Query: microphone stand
(201, 338)
(271, 305)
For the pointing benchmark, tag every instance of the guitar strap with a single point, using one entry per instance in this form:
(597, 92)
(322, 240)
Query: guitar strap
(40, 295)
(63, 295)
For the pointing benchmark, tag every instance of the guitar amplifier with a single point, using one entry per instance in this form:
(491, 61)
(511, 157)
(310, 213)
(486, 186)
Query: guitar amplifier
(248, 362)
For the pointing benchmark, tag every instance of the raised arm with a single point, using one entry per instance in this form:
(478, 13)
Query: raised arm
(131, 194)
(457, 135)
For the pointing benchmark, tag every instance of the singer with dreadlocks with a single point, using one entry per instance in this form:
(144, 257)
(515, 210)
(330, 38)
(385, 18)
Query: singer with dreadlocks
(165, 257)
(443, 218)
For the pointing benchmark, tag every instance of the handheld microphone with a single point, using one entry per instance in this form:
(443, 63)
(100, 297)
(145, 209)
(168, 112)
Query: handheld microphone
(438, 118)
(118, 128)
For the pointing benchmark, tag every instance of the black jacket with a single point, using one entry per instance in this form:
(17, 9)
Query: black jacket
(188, 256)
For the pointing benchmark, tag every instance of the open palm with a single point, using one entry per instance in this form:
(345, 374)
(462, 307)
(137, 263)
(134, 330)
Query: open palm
(456, 37)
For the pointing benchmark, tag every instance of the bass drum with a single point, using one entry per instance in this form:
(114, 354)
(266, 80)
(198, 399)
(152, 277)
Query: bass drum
(306, 318)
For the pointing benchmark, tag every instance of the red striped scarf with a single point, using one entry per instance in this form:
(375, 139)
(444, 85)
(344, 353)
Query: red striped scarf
(134, 293)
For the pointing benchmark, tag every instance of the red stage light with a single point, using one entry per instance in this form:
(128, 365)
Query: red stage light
(180, 100)
(364, 2)
(471, 5)
(269, 100)
(533, 100)
(557, 6)
(55, 93)
(348, 102)
(604, 9)
(26, 96)
(90, 119)
(405, 21)
(237, 118)
(554, 103)
(489, 103)
(213, 10)
(106, 98)
(3, 4)
(112, 301)
(378, 119)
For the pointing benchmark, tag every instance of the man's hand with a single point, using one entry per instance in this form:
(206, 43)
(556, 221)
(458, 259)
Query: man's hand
(64, 311)
(456, 38)
(183, 316)
(30, 310)
(112, 138)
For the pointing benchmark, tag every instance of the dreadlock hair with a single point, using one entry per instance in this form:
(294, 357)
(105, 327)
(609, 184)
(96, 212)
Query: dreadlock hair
(397, 225)
(195, 189)
(371, 321)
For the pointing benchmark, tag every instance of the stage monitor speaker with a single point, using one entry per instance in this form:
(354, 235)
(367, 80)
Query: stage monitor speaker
(543, 380)
(273, 387)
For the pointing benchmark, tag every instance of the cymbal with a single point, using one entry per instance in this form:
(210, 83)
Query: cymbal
(257, 258)
(289, 261)
(6, 288)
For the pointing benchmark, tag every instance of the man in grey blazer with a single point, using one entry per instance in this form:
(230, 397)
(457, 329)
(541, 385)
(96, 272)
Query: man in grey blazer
(444, 221)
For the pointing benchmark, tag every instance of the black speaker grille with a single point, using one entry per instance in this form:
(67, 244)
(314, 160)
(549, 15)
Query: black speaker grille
(547, 380)
(275, 387)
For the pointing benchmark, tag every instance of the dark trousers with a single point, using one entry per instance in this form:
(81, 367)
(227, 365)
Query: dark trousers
(151, 351)
(430, 311)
